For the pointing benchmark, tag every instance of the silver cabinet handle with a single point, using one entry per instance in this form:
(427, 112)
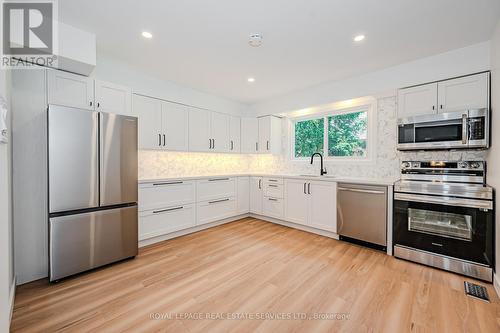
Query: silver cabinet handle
(164, 140)
(232, 145)
(305, 188)
(309, 188)
(166, 210)
(260, 182)
(213, 143)
(216, 201)
(272, 180)
(267, 144)
(159, 139)
(91, 103)
(272, 199)
(217, 179)
(464, 128)
(360, 191)
(271, 185)
(256, 146)
(168, 183)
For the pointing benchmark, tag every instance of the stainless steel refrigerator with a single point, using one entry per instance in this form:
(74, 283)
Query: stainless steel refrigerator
(92, 165)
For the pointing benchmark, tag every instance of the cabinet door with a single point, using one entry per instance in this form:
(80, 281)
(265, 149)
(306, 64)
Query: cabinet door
(211, 211)
(219, 127)
(264, 134)
(296, 201)
(256, 195)
(323, 205)
(175, 126)
(243, 195)
(148, 110)
(275, 136)
(235, 134)
(112, 98)
(199, 130)
(470, 92)
(166, 220)
(418, 100)
(70, 90)
(249, 135)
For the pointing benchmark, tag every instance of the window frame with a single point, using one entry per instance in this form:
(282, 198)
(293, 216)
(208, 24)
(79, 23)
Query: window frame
(370, 136)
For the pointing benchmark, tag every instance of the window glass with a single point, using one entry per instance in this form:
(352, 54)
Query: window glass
(309, 137)
(347, 134)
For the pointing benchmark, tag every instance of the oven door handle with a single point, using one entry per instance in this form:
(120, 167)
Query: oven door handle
(447, 201)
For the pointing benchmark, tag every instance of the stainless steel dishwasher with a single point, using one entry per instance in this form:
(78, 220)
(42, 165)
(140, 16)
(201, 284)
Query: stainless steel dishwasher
(362, 214)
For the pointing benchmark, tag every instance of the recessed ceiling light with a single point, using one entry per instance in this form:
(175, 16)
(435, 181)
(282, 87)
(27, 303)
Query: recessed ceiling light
(251, 79)
(359, 38)
(147, 34)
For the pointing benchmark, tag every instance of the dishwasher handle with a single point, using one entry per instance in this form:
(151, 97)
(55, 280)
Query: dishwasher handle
(360, 191)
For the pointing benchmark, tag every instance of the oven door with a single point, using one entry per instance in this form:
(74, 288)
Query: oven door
(438, 131)
(453, 227)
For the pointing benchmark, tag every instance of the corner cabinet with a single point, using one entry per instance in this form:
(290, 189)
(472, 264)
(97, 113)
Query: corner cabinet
(256, 195)
(453, 95)
(162, 125)
(311, 203)
(269, 135)
(249, 135)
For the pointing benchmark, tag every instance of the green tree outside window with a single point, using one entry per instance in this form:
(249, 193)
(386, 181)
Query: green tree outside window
(309, 137)
(347, 134)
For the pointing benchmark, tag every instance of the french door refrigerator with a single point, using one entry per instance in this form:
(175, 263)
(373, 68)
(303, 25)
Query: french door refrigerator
(92, 165)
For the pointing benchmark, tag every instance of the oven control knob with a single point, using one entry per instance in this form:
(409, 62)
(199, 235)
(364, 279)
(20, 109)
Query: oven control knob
(475, 165)
(406, 165)
(463, 165)
(415, 164)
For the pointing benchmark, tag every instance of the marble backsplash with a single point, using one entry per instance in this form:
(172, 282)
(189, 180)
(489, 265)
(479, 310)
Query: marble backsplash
(386, 164)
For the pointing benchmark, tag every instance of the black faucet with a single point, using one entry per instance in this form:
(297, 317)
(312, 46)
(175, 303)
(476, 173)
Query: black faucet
(323, 170)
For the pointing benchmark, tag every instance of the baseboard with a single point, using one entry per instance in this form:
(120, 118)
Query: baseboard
(296, 226)
(184, 232)
(12, 297)
(496, 283)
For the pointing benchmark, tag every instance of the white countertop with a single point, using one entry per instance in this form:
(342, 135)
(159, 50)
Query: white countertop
(328, 178)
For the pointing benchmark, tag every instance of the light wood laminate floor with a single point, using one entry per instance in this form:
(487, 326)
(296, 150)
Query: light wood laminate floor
(254, 268)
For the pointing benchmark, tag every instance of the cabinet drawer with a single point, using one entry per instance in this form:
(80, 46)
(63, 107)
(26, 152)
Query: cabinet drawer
(273, 180)
(159, 222)
(273, 190)
(215, 188)
(273, 207)
(166, 194)
(211, 211)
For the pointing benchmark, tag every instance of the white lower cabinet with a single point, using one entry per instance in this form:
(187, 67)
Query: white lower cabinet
(296, 203)
(243, 195)
(272, 207)
(166, 194)
(211, 211)
(256, 195)
(323, 205)
(159, 222)
(312, 203)
(215, 188)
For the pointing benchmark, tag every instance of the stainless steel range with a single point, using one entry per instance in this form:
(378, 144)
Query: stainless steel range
(443, 216)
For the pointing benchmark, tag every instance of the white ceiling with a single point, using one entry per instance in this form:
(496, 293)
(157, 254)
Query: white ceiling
(204, 44)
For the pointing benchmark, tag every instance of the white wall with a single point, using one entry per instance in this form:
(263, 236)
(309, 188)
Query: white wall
(6, 252)
(471, 59)
(113, 70)
(494, 152)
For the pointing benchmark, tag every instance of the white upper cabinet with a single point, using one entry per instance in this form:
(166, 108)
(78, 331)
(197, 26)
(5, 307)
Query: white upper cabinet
(235, 134)
(269, 135)
(71, 90)
(296, 203)
(453, 95)
(323, 209)
(112, 98)
(464, 93)
(417, 100)
(175, 126)
(249, 135)
(219, 132)
(199, 130)
(149, 112)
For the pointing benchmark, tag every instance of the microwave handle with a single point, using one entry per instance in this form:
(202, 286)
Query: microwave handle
(465, 124)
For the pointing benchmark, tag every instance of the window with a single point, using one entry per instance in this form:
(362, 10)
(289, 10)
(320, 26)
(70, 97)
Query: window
(309, 137)
(340, 135)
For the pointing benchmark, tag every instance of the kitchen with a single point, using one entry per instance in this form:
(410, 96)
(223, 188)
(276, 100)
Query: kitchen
(143, 192)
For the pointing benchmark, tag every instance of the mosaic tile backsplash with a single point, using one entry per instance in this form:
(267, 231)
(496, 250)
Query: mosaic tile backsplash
(386, 164)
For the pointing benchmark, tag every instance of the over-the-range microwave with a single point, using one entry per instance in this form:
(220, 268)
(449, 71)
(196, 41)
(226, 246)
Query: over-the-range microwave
(454, 130)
